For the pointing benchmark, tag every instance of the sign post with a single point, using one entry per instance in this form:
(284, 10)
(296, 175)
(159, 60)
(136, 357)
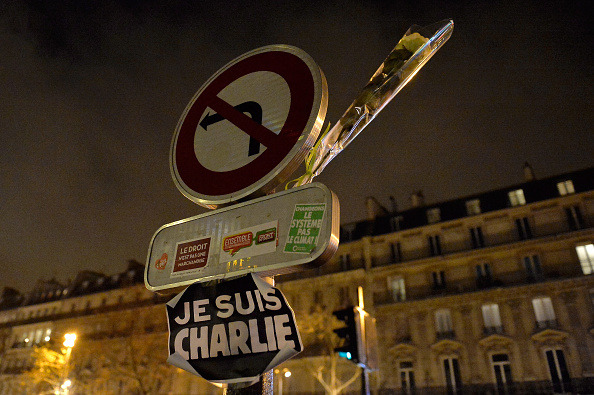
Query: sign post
(245, 131)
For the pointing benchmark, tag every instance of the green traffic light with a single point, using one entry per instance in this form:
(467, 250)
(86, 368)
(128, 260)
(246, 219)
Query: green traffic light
(345, 354)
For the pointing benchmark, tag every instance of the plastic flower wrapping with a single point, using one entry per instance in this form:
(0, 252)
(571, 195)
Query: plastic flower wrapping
(411, 53)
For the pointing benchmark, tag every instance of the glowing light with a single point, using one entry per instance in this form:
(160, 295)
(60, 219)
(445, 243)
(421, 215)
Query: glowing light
(70, 339)
(66, 384)
(288, 373)
(47, 338)
(27, 340)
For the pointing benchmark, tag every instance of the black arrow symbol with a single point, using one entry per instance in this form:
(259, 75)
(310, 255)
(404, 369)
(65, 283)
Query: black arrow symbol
(250, 107)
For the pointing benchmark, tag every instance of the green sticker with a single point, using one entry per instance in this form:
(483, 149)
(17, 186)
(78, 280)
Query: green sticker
(305, 228)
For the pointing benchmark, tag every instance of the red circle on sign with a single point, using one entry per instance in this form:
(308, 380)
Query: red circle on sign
(298, 76)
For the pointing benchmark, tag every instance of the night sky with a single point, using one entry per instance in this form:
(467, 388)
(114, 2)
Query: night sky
(91, 93)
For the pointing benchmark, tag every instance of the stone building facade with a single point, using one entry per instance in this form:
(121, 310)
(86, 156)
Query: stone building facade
(490, 293)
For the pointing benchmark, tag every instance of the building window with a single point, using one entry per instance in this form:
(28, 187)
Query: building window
(533, 268)
(516, 198)
(396, 252)
(439, 280)
(433, 215)
(502, 371)
(345, 262)
(451, 371)
(524, 230)
(565, 187)
(407, 377)
(484, 277)
(586, 256)
(476, 236)
(38, 336)
(558, 371)
(397, 288)
(574, 217)
(443, 324)
(395, 223)
(434, 245)
(544, 313)
(492, 319)
(343, 296)
(48, 333)
(318, 297)
(473, 207)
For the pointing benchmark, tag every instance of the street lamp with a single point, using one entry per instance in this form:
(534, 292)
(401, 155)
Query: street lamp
(286, 373)
(69, 340)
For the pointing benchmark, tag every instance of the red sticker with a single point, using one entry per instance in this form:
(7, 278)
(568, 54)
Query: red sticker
(232, 244)
(191, 255)
(161, 262)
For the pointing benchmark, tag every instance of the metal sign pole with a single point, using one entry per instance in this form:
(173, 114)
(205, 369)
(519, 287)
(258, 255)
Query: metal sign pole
(264, 386)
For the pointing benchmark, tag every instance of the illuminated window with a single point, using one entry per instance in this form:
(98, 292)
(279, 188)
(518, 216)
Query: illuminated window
(586, 256)
(544, 312)
(565, 187)
(38, 335)
(443, 321)
(516, 198)
(473, 207)
(491, 317)
(433, 215)
(397, 288)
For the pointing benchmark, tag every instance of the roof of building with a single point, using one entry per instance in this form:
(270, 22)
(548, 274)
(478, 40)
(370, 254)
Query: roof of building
(494, 200)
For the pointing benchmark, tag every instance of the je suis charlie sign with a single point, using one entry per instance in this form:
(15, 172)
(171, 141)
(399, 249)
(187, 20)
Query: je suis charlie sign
(231, 332)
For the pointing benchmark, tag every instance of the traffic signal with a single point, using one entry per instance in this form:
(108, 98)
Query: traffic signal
(350, 334)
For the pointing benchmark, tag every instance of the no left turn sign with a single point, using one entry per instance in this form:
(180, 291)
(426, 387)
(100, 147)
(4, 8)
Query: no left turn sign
(249, 126)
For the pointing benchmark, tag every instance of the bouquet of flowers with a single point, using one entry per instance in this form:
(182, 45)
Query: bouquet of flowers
(413, 50)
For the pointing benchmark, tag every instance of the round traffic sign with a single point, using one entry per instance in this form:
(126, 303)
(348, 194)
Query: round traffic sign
(249, 127)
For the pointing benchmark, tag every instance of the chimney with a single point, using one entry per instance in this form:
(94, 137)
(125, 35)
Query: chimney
(528, 172)
(374, 208)
(417, 199)
(393, 204)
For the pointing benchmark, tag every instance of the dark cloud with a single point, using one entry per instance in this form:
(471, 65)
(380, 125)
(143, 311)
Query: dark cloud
(91, 93)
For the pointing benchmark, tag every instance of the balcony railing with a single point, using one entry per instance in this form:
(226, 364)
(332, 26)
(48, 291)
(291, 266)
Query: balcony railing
(510, 279)
(547, 324)
(445, 335)
(493, 330)
(576, 386)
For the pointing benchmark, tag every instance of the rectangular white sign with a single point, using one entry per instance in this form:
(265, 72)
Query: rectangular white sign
(275, 234)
